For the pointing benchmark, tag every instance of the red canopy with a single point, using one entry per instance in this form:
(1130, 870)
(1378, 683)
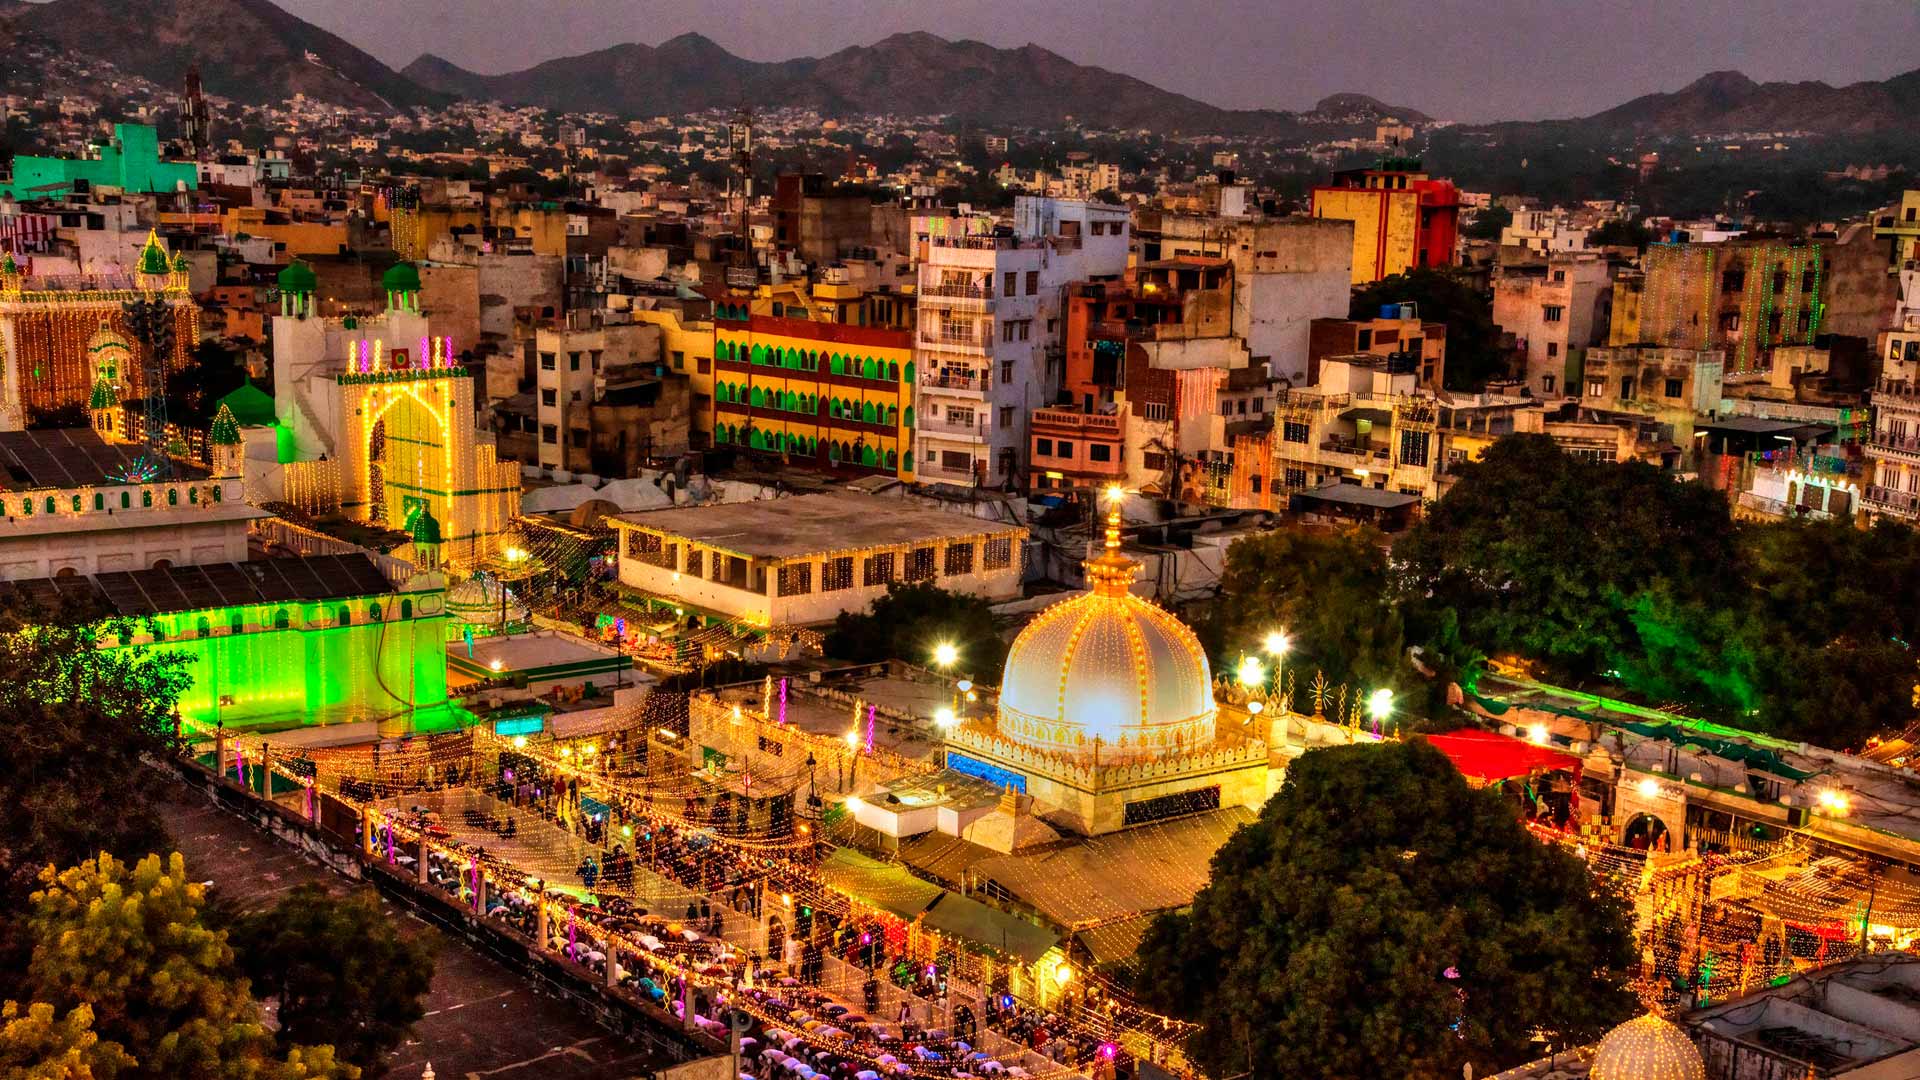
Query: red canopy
(1489, 755)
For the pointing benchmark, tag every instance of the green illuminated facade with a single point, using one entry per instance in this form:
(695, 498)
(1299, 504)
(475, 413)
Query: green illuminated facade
(270, 667)
(130, 162)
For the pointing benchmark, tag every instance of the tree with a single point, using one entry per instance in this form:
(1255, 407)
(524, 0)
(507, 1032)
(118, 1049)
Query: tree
(1473, 341)
(1488, 224)
(342, 974)
(910, 620)
(1383, 918)
(76, 720)
(1327, 591)
(1620, 233)
(37, 1045)
(132, 944)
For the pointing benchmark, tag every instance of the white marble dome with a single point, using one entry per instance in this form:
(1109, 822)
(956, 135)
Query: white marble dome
(1111, 667)
(1647, 1048)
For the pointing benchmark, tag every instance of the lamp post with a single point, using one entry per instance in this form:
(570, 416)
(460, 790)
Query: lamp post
(1380, 705)
(1277, 643)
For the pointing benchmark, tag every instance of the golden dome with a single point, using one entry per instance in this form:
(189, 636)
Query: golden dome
(1647, 1048)
(1107, 670)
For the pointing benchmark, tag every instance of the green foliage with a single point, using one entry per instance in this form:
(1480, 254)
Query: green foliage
(1620, 234)
(1382, 918)
(1473, 353)
(74, 720)
(133, 944)
(341, 972)
(36, 1045)
(910, 620)
(1327, 591)
(1488, 224)
(1622, 575)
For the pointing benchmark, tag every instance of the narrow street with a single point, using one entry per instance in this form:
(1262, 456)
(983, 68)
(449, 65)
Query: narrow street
(483, 1019)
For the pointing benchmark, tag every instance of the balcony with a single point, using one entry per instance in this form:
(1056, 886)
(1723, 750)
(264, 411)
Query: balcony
(966, 297)
(1896, 392)
(967, 382)
(1905, 504)
(1070, 422)
(972, 429)
(1903, 447)
(1353, 454)
(974, 344)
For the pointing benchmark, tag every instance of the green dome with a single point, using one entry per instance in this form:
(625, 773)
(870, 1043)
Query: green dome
(153, 257)
(401, 277)
(425, 527)
(180, 262)
(103, 396)
(249, 405)
(298, 277)
(225, 430)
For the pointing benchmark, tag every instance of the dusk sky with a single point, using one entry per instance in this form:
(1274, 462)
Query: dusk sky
(1455, 59)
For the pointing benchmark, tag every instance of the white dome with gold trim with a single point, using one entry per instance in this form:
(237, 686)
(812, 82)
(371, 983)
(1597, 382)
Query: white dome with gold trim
(1107, 674)
(1647, 1048)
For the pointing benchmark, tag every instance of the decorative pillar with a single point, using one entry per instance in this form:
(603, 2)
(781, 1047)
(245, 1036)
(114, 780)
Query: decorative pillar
(479, 889)
(219, 749)
(686, 1002)
(613, 963)
(266, 770)
(540, 920)
(366, 832)
(425, 856)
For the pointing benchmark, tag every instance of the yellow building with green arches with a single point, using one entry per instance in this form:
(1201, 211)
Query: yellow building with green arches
(826, 395)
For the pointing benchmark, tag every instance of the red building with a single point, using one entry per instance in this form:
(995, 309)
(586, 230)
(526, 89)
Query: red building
(1402, 218)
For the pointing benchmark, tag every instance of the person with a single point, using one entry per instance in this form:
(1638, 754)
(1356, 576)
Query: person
(872, 992)
(589, 872)
(508, 832)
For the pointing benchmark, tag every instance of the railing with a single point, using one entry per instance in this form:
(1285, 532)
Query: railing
(957, 292)
(952, 380)
(964, 342)
(1888, 500)
(1896, 388)
(975, 429)
(1074, 419)
(1763, 505)
(1905, 444)
(975, 243)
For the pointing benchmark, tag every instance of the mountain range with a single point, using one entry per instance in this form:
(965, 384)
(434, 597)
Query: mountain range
(254, 51)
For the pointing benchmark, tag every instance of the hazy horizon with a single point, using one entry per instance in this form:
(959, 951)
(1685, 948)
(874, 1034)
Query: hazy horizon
(1476, 59)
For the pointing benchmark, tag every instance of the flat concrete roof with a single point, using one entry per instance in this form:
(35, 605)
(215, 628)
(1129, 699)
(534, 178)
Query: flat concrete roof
(811, 524)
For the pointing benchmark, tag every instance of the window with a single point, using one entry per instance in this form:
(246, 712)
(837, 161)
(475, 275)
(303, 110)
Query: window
(1043, 447)
(1063, 448)
(1552, 313)
(960, 415)
(920, 564)
(1553, 348)
(1153, 460)
(1559, 275)
(546, 361)
(1099, 451)
(1156, 410)
(836, 574)
(679, 360)
(959, 559)
(878, 569)
(998, 554)
(1006, 417)
(1596, 388)
(1294, 478)
(1293, 431)
(1413, 447)
(1009, 284)
(1673, 388)
(796, 579)
(1033, 282)
(956, 461)
(1546, 383)
(573, 361)
(1364, 341)
(696, 562)
(1006, 372)
(548, 396)
(549, 434)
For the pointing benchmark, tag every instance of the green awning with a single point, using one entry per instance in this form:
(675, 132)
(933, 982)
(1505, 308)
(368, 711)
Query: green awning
(1753, 757)
(1364, 412)
(887, 886)
(972, 921)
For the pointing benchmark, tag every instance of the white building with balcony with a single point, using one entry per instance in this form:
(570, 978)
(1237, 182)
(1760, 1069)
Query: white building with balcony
(574, 362)
(988, 349)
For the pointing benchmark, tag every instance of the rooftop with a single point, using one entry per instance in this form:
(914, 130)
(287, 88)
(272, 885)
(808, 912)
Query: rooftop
(810, 524)
(199, 588)
(69, 457)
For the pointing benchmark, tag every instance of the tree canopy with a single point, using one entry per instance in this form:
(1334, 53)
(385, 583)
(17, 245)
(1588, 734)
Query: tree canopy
(132, 944)
(1383, 918)
(1473, 341)
(1328, 592)
(340, 971)
(911, 620)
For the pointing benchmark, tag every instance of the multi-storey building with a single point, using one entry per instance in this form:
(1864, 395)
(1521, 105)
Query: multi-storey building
(1674, 386)
(1397, 333)
(1543, 232)
(1554, 310)
(1361, 424)
(1899, 225)
(988, 350)
(577, 360)
(836, 396)
(1403, 219)
(1893, 450)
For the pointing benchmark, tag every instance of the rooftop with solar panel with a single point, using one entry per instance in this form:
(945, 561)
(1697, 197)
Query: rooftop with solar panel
(71, 458)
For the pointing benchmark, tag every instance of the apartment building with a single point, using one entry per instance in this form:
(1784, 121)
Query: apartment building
(1674, 386)
(1554, 309)
(577, 361)
(1403, 219)
(1543, 232)
(1397, 332)
(1893, 450)
(988, 350)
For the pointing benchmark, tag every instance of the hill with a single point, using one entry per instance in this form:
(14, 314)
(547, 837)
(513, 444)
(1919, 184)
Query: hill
(248, 50)
(1727, 101)
(905, 74)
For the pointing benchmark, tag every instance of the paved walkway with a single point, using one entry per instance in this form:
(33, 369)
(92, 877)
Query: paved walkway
(483, 1019)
